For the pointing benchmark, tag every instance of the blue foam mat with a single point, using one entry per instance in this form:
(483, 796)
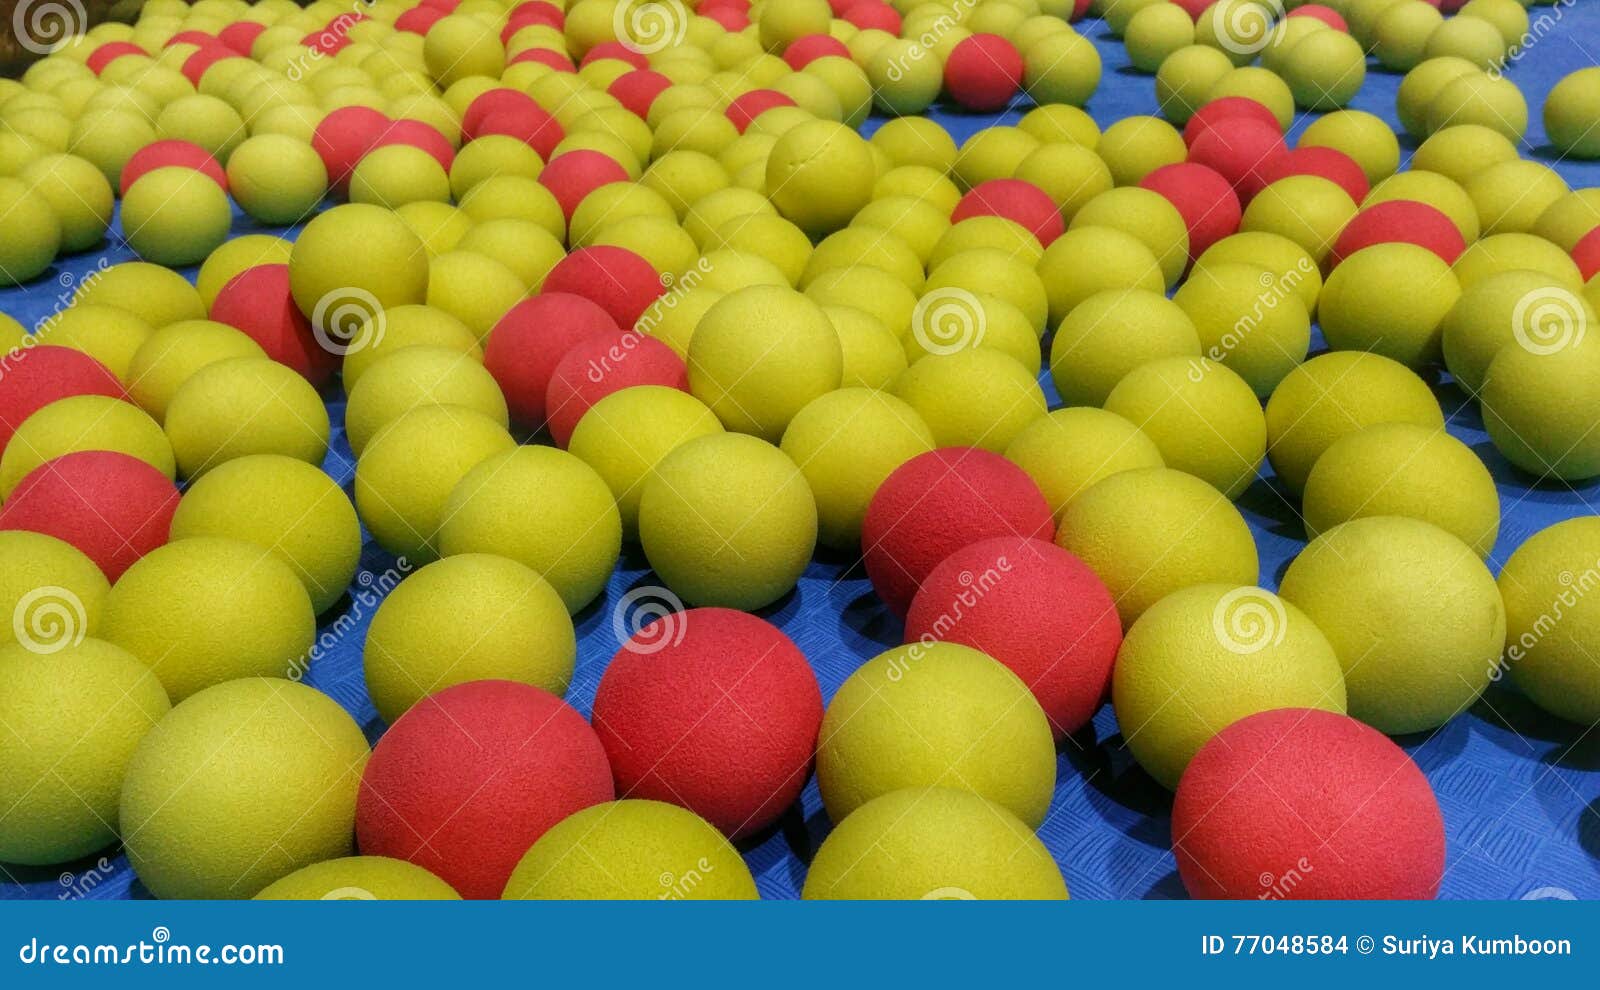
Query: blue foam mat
(1520, 790)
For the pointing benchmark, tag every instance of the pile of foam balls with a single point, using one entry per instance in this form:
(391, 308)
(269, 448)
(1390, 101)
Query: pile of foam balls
(575, 276)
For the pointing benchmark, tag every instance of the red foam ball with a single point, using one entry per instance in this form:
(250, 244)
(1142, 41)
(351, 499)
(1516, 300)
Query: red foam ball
(545, 56)
(1224, 108)
(873, 14)
(1209, 206)
(1328, 15)
(501, 100)
(195, 66)
(534, 128)
(935, 504)
(1328, 163)
(344, 137)
(1587, 254)
(1240, 149)
(109, 52)
(732, 20)
(615, 50)
(33, 377)
(805, 50)
(171, 153)
(257, 301)
(448, 6)
(621, 282)
(1016, 200)
(602, 364)
(419, 134)
(1080, 10)
(532, 337)
(1034, 607)
(572, 175)
(1306, 804)
(530, 13)
(113, 507)
(748, 106)
(467, 779)
(419, 20)
(1404, 220)
(1194, 8)
(983, 72)
(241, 36)
(192, 37)
(638, 89)
(712, 709)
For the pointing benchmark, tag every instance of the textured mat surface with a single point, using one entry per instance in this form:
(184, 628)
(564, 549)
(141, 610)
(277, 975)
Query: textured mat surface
(1520, 790)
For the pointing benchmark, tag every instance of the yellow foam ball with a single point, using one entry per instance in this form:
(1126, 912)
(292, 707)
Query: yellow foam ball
(359, 878)
(460, 46)
(632, 850)
(191, 814)
(156, 295)
(1541, 403)
(406, 474)
(1400, 469)
(1205, 419)
(933, 843)
(1504, 309)
(949, 320)
(895, 723)
(83, 422)
(475, 289)
(1151, 531)
(175, 353)
(1149, 217)
(1088, 260)
(1550, 618)
(175, 216)
(870, 290)
(819, 174)
(283, 505)
(977, 397)
(1365, 137)
(728, 520)
(79, 195)
(1307, 209)
(1461, 151)
(998, 273)
(394, 330)
(1292, 265)
(52, 592)
(1412, 612)
(236, 255)
(109, 335)
(1435, 190)
(1511, 196)
(357, 252)
(672, 318)
(1068, 450)
(244, 406)
(1390, 299)
(418, 376)
(1500, 253)
(75, 715)
(1111, 333)
(1248, 318)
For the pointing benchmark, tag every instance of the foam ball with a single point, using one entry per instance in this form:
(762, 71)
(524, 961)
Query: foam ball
(170, 154)
(175, 217)
(77, 193)
(1325, 70)
(1185, 78)
(108, 139)
(727, 520)
(1504, 309)
(1205, 419)
(621, 282)
(191, 611)
(1390, 299)
(39, 375)
(1462, 150)
(406, 474)
(916, 141)
(112, 507)
(601, 365)
(1432, 190)
(276, 179)
(1400, 35)
(1147, 216)
(1156, 31)
(1308, 787)
(418, 376)
(977, 397)
(1479, 98)
(933, 843)
(983, 72)
(53, 592)
(1059, 122)
(1292, 265)
(1500, 253)
(530, 340)
(1328, 163)
(1088, 260)
(359, 878)
(335, 271)
(1061, 68)
(1587, 254)
(236, 256)
(1152, 531)
(1399, 469)
(191, 816)
(1571, 112)
(768, 236)
(394, 175)
(1068, 450)
(283, 505)
(1015, 200)
(1131, 149)
(846, 443)
(1334, 395)
(994, 272)
(1362, 136)
(1547, 660)
(624, 435)
(1422, 84)
(154, 294)
(819, 175)
(474, 288)
(1412, 612)
(83, 422)
(759, 355)
(929, 507)
(1274, 337)
(863, 246)
(690, 691)
(284, 415)
(1307, 209)
(1400, 221)
(904, 81)
(174, 353)
(78, 708)
(459, 46)
(259, 301)
(1111, 333)
(1539, 398)
(1203, 198)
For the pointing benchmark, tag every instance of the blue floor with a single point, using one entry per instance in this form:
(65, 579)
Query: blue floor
(1520, 790)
